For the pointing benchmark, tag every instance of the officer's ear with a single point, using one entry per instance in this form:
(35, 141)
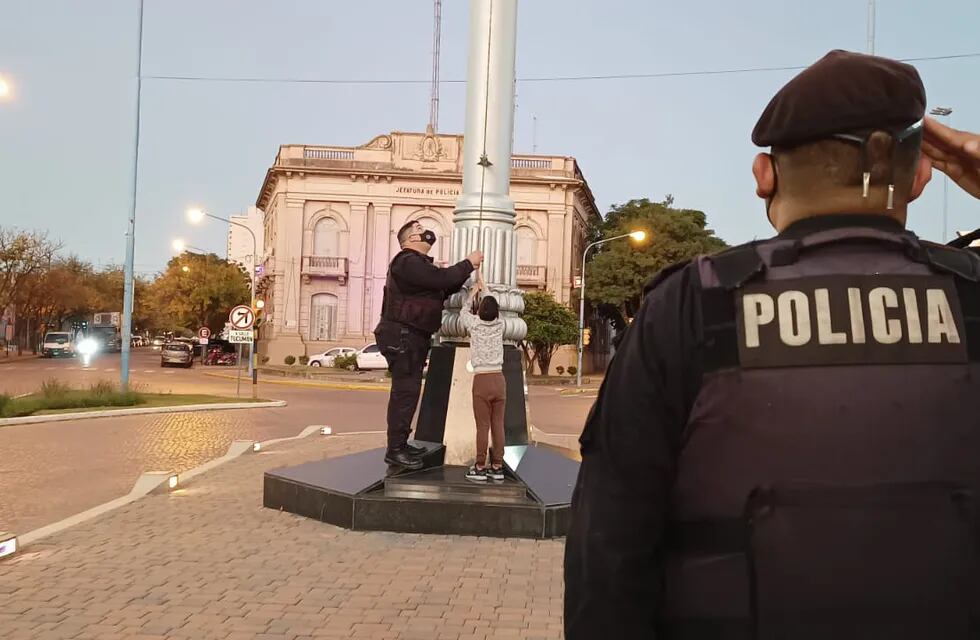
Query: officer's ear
(765, 176)
(923, 174)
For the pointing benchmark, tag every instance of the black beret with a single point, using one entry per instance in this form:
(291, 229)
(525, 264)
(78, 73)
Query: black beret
(843, 92)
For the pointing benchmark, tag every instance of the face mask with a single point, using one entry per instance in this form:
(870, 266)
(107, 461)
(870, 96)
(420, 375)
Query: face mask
(428, 237)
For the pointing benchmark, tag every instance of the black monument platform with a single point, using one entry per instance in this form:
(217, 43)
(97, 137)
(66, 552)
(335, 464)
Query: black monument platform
(360, 492)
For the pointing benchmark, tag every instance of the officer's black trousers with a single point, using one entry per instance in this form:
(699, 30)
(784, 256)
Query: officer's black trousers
(406, 379)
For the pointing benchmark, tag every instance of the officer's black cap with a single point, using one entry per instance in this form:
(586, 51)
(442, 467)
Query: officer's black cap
(842, 93)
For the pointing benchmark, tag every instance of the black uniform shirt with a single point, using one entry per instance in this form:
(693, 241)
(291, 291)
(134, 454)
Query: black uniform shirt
(417, 274)
(630, 447)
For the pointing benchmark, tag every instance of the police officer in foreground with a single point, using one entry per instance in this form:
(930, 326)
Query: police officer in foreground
(411, 313)
(787, 442)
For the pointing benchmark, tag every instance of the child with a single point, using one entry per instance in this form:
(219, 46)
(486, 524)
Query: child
(489, 389)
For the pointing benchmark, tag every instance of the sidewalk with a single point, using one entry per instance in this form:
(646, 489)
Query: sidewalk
(209, 562)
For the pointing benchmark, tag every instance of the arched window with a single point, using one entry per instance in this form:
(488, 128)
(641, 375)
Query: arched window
(326, 238)
(323, 317)
(527, 247)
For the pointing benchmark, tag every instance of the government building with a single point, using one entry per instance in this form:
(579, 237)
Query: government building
(331, 214)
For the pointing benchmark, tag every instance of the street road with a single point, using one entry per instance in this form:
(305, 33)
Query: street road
(52, 470)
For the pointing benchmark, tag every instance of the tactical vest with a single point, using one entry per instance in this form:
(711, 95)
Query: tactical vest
(825, 480)
(420, 311)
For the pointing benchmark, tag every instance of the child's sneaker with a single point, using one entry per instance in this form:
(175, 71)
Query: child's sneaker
(495, 473)
(476, 474)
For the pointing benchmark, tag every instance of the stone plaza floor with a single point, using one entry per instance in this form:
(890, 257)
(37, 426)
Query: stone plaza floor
(209, 562)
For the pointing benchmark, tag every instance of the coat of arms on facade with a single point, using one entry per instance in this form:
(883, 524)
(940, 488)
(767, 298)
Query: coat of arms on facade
(430, 148)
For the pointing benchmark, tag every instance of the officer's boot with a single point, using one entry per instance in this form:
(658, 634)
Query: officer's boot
(402, 457)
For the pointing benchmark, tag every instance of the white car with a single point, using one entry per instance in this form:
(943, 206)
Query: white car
(326, 359)
(370, 357)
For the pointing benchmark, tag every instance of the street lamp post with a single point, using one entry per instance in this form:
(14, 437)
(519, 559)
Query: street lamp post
(638, 236)
(195, 216)
(129, 281)
(944, 112)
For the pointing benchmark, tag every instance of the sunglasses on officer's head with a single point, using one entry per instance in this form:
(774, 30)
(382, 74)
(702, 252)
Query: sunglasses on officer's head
(862, 138)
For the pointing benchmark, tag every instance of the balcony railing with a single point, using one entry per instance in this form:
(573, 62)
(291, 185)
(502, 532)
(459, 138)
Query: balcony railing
(531, 275)
(316, 153)
(530, 163)
(325, 266)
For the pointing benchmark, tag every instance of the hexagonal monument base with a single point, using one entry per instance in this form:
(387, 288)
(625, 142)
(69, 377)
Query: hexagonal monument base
(360, 492)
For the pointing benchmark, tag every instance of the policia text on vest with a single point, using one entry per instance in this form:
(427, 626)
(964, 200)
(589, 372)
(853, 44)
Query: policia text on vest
(845, 319)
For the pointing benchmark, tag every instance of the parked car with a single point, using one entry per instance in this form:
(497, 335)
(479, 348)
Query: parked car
(158, 343)
(176, 353)
(57, 343)
(326, 359)
(369, 357)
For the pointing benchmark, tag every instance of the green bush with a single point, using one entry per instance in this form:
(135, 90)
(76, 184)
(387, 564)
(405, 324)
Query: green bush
(572, 370)
(102, 388)
(304, 360)
(55, 395)
(290, 360)
(54, 388)
(560, 369)
(345, 362)
(265, 359)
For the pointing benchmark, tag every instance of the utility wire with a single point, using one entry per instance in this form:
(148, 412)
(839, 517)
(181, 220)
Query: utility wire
(582, 78)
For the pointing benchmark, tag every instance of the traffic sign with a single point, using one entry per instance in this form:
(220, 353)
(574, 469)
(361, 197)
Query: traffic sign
(203, 333)
(241, 317)
(238, 336)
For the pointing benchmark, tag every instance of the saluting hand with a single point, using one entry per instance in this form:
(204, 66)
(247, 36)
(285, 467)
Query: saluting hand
(476, 259)
(955, 153)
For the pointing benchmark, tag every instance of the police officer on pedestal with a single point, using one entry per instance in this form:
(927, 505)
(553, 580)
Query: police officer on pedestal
(787, 443)
(410, 314)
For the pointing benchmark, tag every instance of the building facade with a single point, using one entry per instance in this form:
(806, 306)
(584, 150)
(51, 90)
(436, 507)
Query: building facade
(240, 241)
(332, 213)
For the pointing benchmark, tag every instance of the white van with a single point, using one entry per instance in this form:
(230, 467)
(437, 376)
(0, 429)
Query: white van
(57, 343)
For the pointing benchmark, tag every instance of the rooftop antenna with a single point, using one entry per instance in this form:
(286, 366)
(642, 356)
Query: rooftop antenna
(436, 39)
(534, 134)
(871, 27)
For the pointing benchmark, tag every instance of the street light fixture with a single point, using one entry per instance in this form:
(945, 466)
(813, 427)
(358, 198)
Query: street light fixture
(636, 236)
(944, 112)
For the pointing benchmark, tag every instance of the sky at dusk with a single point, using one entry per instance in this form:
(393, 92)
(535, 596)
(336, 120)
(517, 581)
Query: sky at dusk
(67, 133)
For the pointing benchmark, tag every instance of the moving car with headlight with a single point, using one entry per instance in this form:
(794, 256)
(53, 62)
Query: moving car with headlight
(177, 353)
(57, 344)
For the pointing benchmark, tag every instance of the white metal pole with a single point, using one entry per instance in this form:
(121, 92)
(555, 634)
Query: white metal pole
(581, 318)
(128, 280)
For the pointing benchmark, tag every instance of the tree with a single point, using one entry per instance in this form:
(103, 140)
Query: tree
(549, 326)
(22, 255)
(618, 271)
(197, 291)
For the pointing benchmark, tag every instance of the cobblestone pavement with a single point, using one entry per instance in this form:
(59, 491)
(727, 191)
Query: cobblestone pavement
(208, 562)
(53, 470)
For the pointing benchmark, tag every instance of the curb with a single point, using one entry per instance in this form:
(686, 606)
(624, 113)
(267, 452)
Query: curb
(113, 413)
(316, 385)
